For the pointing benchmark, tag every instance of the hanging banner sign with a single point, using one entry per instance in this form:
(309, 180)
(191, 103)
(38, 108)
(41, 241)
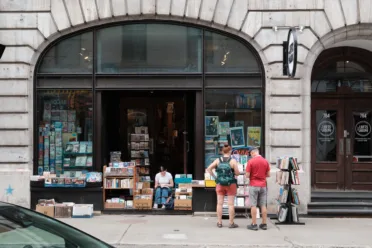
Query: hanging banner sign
(290, 54)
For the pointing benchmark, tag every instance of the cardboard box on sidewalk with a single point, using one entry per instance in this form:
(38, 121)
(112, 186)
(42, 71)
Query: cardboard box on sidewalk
(82, 211)
(47, 210)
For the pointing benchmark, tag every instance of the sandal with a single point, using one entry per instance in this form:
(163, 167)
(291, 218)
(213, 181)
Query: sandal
(219, 225)
(233, 225)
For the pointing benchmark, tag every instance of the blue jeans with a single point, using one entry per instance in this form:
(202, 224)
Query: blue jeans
(161, 195)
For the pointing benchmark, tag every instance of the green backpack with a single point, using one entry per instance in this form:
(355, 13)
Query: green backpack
(225, 176)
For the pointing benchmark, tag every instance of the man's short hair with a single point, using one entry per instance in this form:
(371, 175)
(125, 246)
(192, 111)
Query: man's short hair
(255, 150)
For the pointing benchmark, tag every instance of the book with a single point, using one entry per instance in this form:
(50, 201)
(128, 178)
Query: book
(66, 162)
(294, 213)
(282, 214)
(81, 161)
(83, 147)
(71, 115)
(89, 161)
(224, 128)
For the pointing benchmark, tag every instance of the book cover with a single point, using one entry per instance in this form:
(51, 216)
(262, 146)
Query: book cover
(89, 147)
(81, 161)
(253, 136)
(89, 161)
(71, 115)
(63, 115)
(66, 162)
(224, 128)
(83, 147)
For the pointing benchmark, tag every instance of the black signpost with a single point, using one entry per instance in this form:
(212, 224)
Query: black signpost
(290, 54)
(2, 49)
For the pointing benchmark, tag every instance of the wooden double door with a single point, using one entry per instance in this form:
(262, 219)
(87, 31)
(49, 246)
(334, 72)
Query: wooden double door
(341, 143)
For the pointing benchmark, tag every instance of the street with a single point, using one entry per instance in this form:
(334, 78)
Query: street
(189, 231)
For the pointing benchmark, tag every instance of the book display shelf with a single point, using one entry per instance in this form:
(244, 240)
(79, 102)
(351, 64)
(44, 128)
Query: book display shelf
(288, 196)
(119, 184)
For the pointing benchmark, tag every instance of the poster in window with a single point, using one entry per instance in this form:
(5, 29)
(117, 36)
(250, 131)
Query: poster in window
(224, 128)
(211, 126)
(237, 137)
(253, 136)
(239, 123)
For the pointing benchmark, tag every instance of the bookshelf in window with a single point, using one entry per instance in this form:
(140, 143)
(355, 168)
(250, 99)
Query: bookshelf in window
(288, 199)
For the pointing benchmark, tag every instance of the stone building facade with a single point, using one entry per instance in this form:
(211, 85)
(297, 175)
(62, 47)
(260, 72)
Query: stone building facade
(27, 27)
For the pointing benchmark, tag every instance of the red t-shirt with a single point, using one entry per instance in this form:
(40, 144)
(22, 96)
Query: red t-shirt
(258, 167)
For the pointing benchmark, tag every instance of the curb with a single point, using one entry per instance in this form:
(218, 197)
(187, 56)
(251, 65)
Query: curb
(182, 245)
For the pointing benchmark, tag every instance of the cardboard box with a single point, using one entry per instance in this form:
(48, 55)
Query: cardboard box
(47, 210)
(183, 204)
(147, 191)
(145, 185)
(63, 210)
(185, 185)
(114, 205)
(142, 203)
(82, 211)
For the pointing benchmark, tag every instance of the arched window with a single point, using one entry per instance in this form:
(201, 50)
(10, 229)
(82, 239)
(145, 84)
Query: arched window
(148, 48)
(342, 67)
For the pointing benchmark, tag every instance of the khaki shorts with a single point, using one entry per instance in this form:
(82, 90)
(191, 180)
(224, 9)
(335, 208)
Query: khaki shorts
(257, 195)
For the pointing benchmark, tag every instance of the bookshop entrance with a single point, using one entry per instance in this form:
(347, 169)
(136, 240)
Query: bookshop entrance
(341, 118)
(153, 128)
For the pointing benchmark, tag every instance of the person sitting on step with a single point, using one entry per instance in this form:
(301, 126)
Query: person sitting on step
(163, 187)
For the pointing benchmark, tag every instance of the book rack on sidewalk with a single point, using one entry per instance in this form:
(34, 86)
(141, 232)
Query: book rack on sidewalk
(288, 197)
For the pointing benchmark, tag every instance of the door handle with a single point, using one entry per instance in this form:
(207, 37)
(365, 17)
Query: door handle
(348, 149)
(188, 146)
(341, 147)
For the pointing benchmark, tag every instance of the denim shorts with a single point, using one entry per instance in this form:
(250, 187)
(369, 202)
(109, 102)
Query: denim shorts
(257, 195)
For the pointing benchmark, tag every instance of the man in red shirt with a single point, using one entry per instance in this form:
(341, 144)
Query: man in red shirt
(257, 170)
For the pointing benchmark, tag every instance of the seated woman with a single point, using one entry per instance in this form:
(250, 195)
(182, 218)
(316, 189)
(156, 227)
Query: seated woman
(163, 185)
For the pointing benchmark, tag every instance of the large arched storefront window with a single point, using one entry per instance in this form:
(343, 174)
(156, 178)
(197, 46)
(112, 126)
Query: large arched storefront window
(342, 119)
(190, 87)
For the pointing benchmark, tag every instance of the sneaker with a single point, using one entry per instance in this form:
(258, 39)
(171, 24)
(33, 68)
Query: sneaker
(263, 226)
(252, 227)
(163, 207)
(155, 205)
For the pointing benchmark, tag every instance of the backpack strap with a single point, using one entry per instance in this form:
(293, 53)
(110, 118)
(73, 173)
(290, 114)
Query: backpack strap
(220, 158)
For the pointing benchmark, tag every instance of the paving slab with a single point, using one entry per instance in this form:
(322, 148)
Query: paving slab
(196, 232)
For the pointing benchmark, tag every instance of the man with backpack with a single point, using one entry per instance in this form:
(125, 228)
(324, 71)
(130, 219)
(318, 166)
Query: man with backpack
(258, 169)
(226, 170)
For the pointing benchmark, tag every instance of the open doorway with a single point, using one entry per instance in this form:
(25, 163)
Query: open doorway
(166, 116)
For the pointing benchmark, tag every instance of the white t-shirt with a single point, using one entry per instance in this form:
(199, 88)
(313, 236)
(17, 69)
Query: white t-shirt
(163, 179)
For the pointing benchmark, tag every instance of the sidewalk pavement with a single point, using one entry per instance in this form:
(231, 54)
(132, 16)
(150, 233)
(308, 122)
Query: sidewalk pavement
(192, 232)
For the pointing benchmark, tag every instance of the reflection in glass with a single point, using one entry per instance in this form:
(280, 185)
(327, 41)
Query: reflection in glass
(224, 54)
(362, 136)
(72, 55)
(326, 136)
(231, 117)
(149, 48)
(65, 130)
(360, 85)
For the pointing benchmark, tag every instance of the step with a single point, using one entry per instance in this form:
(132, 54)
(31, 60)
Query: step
(340, 205)
(341, 196)
(340, 212)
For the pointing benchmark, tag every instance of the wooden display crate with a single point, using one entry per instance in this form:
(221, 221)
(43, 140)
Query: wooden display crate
(142, 203)
(182, 204)
(113, 205)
